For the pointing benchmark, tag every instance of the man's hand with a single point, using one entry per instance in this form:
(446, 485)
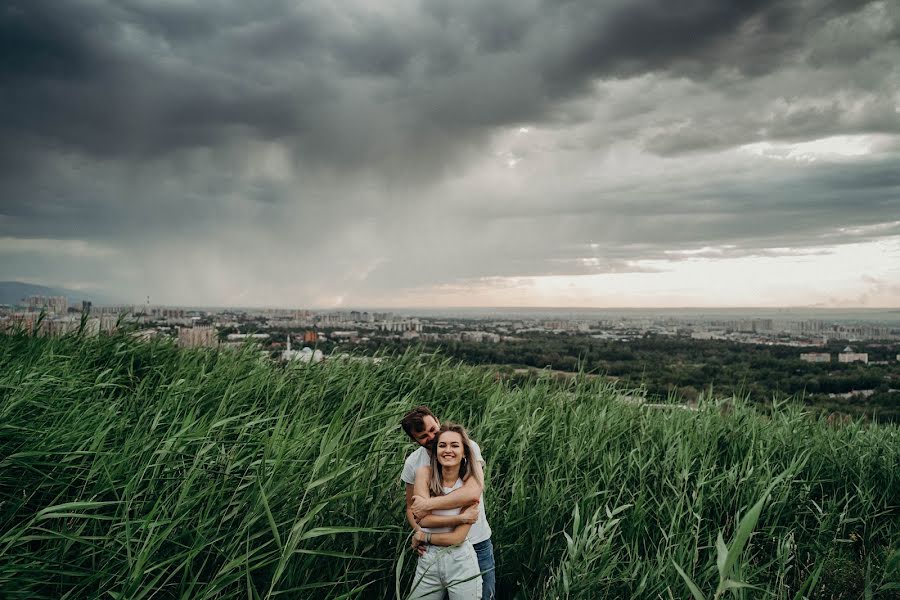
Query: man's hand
(470, 515)
(420, 506)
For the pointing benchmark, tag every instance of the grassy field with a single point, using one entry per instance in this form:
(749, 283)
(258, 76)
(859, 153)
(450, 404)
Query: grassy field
(137, 470)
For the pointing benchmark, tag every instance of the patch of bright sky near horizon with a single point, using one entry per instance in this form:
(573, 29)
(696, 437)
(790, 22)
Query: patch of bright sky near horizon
(832, 275)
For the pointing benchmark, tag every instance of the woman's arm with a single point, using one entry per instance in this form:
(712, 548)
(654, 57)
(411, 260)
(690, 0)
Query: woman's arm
(444, 539)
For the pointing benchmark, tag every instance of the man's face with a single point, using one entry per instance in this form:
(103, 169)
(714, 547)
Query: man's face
(427, 434)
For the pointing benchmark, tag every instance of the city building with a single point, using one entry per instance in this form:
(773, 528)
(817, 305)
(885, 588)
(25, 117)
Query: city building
(58, 305)
(287, 353)
(198, 336)
(19, 321)
(706, 335)
(816, 357)
(306, 354)
(60, 327)
(345, 334)
(750, 325)
(849, 356)
(113, 310)
(240, 337)
(479, 336)
(401, 326)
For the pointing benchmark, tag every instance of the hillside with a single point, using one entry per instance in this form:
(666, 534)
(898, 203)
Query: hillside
(138, 470)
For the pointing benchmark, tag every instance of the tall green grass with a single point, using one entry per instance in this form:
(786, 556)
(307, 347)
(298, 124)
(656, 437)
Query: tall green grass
(138, 470)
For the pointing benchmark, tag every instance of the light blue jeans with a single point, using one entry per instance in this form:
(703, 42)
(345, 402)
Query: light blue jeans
(450, 569)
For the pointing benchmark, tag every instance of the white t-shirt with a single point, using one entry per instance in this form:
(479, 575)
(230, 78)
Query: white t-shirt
(419, 457)
(446, 512)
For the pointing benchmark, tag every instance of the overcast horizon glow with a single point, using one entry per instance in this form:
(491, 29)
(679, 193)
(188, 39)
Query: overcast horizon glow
(433, 154)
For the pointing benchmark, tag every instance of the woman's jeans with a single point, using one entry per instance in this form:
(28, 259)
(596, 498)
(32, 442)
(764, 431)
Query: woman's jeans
(453, 569)
(485, 552)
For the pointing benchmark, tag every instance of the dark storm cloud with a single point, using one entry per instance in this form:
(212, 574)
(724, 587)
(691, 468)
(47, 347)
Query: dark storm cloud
(841, 79)
(644, 36)
(120, 81)
(141, 78)
(211, 136)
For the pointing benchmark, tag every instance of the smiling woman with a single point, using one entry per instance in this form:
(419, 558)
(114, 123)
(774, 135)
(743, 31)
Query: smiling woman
(449, 561)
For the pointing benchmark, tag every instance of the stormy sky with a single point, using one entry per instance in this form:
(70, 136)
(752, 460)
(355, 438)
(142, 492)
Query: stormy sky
(308, 153)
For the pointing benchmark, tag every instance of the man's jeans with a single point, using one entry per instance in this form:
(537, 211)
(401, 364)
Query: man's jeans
(485, 553)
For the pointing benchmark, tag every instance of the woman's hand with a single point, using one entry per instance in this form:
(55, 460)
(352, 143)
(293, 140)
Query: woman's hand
(418, 542)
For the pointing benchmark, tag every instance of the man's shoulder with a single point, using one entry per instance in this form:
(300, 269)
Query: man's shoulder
(417, 457)
(412, 464)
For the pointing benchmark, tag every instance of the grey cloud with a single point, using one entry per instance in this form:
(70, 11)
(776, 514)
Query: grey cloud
(640, 36)
(844, 81)
(310, 250)
(148, 126)
(851, 38)
(760, 117)
(140, 77)
(788, 207)
(783, 215)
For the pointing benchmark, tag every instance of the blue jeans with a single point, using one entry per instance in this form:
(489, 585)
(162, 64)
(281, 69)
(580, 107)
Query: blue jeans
(485, 553)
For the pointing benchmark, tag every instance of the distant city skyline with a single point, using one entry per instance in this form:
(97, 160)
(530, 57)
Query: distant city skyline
(193, 326)
(783, 315)
(466, 154)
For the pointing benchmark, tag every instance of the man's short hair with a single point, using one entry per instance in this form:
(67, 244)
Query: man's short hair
(414, 421)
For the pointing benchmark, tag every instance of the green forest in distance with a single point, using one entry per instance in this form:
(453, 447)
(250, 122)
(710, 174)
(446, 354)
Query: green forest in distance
(666, 368)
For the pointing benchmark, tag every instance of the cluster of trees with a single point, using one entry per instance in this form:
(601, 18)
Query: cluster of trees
(682, 368)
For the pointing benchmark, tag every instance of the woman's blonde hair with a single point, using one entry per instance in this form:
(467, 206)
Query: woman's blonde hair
(436, 483)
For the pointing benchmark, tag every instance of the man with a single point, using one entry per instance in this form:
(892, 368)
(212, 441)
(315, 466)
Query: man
(421, 426)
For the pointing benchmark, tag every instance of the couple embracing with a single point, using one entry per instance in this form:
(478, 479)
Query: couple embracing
(444, 480)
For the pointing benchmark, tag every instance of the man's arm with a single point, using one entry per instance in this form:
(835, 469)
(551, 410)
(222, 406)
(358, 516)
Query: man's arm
(468, 494)
(409, 513)
(466, 517)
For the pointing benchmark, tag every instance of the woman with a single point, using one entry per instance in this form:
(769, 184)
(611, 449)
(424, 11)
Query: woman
(449, 562)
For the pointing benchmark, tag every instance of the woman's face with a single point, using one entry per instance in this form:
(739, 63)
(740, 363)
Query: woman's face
(450, 449)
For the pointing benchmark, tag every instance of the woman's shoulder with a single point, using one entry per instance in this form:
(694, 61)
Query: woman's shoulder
(424, 471)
